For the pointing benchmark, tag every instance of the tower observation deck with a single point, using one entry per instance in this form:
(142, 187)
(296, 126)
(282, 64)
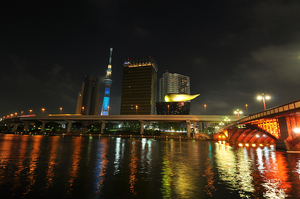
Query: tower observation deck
(107, 82)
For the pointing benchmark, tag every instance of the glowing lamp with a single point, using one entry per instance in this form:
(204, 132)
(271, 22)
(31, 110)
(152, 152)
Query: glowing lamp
(297, 130)
(264, 98)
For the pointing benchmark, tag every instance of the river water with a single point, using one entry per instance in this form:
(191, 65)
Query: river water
(93, 167)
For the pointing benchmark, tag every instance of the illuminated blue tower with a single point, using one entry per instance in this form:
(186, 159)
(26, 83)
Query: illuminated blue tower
(107, 82)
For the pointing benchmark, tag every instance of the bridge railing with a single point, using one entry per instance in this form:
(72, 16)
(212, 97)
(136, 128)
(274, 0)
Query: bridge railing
(275, 110)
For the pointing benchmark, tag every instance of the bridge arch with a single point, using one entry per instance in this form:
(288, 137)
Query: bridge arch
(246, 135)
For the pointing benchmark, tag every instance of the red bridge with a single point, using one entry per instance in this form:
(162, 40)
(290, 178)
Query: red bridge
(279, 125)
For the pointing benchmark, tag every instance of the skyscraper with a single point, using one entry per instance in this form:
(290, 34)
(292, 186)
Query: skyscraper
(107, 82)
(89, 98)
(173, 83)
(139, 86)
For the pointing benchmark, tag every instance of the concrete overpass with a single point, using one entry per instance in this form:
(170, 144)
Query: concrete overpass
(70, 118)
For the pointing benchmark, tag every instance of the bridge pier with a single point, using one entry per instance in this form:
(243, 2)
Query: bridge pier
(26, 127)
(43, 126)
(188, 128)
(69, 126)
(102, 127)
(15, 127)
(281, 142)
(229, 133)
(141, 127)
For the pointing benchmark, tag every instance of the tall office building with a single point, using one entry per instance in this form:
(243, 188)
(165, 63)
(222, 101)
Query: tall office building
(173, 83)
(139, 86)
(89, 98)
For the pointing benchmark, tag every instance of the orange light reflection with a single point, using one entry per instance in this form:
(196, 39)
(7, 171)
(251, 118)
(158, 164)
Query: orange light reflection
(133, 166)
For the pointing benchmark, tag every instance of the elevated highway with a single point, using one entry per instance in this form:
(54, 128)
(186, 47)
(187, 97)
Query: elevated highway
(71, 118)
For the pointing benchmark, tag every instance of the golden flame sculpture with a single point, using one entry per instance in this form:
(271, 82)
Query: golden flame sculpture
(172, 97)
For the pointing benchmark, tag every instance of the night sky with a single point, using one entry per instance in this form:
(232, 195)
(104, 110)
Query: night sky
(231, 50)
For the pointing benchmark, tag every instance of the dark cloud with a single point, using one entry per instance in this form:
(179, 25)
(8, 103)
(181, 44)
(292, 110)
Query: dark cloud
(232, 50)
(284, 61)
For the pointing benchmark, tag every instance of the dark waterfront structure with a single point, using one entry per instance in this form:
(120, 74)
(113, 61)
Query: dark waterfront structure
(173, 108)
(89, 98)
(139, 86)
(107, 82)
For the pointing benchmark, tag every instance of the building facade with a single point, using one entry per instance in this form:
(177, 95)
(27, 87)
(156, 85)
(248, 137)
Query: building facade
(173, 108)
(139, 87)
(173, 83)
(89, 98)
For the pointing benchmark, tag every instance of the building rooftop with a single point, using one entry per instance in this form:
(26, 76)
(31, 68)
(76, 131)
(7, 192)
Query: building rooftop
(140, 61)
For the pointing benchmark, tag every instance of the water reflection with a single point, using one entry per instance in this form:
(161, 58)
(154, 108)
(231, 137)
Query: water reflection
(244, 172)
(227, 165)
(75, 160)
(20, 165)
(5, 153)
(209, 174)
(236, 163)
(167, 173)
(186, 160)
(117, 156)
(86, 167)
(34, 152)
(133, 165)
(52, 161)
(276, 181)
(102, 162)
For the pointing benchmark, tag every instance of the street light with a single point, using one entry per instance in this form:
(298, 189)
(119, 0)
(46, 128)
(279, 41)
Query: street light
(205, 108)
(60, 110)
(43, 111)
(82, 109)
(136, 108)
(108, 110)
(168, 109)
(264, 98)
(22, 112)
(247, 108)
(227, 120)
(30, 111)
(238, 112)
